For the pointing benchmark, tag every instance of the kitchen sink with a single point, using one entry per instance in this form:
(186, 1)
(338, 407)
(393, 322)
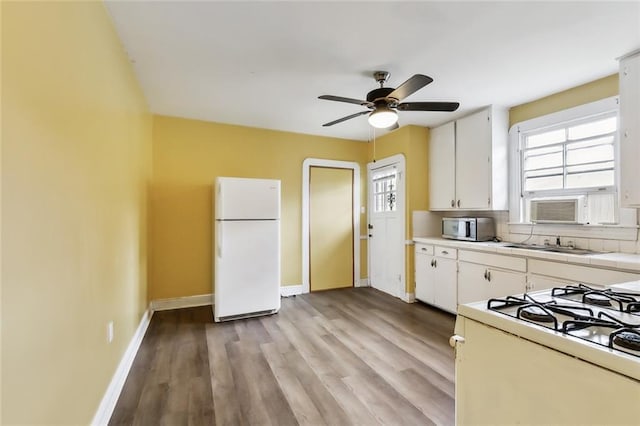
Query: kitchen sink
(571, 250)
(526, 246)
(554, 249)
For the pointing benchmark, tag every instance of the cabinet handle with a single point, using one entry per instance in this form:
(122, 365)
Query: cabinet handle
(423, 249)
(432, 263)
(458, 203)
(489, 276)
(444, 252)
(485, 274)
(453, 203)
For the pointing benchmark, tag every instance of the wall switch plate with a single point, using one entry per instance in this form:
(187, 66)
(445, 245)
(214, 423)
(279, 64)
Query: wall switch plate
(110, 332)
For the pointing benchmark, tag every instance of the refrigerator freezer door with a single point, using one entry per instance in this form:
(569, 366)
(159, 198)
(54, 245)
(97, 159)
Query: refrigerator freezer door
(242, 198)
(247, 267)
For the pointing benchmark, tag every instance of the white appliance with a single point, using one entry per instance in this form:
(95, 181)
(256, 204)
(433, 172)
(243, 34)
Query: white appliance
(246, 248)
(565, 210)
(568, 355)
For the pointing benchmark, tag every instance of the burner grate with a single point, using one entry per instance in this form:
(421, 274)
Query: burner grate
(574, 320)
(626, 338)
(619, 301)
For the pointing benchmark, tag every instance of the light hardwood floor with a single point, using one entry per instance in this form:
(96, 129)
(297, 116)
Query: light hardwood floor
(340, 357)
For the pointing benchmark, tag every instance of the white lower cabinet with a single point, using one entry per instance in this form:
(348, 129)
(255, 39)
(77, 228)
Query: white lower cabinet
(588, 275)
(436, 276)
(447, 276)
(483, 276)
(537, 282)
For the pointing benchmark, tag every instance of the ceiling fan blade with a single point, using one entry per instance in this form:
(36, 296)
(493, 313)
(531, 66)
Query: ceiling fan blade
(348, 117)
(412, 85)
(429, 106)
(341, 99)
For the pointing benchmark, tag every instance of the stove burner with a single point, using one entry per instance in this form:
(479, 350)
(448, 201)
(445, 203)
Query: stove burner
(597, 299)
(535, 313)
(628, 340)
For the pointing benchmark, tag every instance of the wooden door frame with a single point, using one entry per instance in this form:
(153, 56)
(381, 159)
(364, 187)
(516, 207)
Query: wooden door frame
(400, 162)
(306, 171)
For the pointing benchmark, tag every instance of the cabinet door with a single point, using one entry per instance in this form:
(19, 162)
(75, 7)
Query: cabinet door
(473, 161)
(480, 282)
(540, 282)
(472, 286)
(442, 174)
(424, 277)
(503, 283)
(630, 131)
(445, 284)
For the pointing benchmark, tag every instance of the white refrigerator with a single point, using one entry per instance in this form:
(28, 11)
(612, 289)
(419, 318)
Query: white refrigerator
(246, 275)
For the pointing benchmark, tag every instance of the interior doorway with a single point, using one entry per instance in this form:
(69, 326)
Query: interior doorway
(330, 228)
(327, 173)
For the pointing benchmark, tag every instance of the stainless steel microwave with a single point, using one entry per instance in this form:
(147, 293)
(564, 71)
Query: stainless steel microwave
(468, 228)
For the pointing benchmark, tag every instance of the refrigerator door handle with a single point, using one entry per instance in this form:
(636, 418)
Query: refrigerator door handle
(219, 238)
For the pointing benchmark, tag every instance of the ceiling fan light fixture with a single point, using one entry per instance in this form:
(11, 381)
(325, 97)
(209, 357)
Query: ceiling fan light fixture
(383, 117)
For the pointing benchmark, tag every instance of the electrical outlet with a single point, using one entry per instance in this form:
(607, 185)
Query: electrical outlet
(110, 331)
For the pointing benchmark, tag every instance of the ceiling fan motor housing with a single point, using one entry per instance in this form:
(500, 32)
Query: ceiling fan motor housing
(380, 93)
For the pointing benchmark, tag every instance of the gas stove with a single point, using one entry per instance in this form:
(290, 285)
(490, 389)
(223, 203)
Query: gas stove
(561, 348)
(606, 318)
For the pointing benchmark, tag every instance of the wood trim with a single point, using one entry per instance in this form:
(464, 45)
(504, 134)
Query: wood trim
(182, 302)
(111, 395)
(290, 290)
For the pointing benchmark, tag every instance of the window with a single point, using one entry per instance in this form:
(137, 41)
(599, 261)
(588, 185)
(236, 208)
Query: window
(571, 153)
(576, 156)
(384, 190)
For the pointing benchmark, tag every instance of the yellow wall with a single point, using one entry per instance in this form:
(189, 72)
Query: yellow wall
(187, 156)
(413, 142)
(76, 158)
(583, 94)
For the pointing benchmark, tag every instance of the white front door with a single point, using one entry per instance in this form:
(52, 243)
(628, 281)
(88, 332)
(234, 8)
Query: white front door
(386, 226)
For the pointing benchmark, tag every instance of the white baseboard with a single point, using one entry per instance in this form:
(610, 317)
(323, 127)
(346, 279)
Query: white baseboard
(182, 302)
(409, 297)
(290, 290)
(363, 282)
(110, 398)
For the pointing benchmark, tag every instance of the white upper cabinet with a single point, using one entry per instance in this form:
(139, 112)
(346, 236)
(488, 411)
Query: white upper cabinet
(630, 130)
(468, 163)
(442, 160)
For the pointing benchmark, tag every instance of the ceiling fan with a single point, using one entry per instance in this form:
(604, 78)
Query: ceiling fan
(384, 103)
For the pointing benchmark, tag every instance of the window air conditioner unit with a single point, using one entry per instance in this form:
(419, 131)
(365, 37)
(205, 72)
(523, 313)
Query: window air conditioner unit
(565, 210)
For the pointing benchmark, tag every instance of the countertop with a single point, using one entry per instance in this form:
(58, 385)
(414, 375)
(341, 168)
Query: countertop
(621, 261)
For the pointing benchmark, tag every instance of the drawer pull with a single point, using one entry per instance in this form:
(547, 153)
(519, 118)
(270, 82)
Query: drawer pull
(455, 339)
(444, 252)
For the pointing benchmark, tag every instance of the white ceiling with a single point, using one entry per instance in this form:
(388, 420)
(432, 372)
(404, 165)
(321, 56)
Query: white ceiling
(263, 64)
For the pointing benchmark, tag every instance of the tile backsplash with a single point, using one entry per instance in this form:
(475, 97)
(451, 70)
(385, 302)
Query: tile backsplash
(427, 224)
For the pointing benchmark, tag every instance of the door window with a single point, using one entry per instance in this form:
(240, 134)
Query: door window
(384, 190)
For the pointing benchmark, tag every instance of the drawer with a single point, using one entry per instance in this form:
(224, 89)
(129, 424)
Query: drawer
(424, 249)
(446, 252)
(576, 273)
(494, 260)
